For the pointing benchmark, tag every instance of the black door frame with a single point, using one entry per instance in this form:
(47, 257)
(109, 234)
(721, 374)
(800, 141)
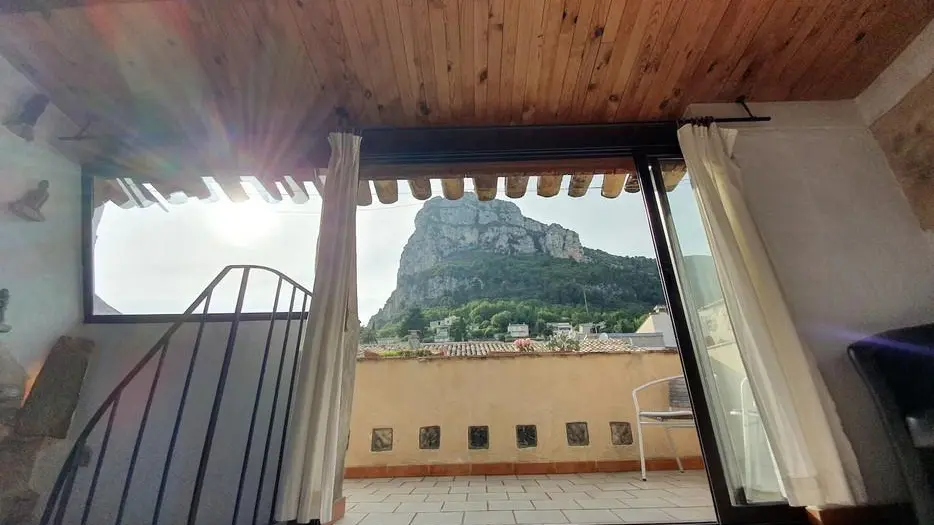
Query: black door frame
(657, 209)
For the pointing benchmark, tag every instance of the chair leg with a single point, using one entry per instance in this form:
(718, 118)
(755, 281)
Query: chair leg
(671, 442)
(641, 448)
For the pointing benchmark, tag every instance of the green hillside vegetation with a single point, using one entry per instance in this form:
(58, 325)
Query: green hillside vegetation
(489, 318)
(531, 289)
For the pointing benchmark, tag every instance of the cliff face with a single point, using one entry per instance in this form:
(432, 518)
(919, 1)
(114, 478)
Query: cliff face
(444, 228)
(466, 249)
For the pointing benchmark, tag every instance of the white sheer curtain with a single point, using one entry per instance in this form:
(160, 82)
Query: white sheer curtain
(314, 457)
(814, 458)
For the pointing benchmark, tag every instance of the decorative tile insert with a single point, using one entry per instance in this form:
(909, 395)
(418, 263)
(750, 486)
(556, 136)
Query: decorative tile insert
(382, 440)
(578, 436)
(429, 438)
(620, 433)
(478, 437)
(526, 436)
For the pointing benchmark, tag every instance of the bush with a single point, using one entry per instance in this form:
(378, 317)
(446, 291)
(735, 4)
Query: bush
(562, 343)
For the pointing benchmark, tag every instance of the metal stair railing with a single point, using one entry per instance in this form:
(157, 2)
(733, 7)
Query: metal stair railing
(61, 507)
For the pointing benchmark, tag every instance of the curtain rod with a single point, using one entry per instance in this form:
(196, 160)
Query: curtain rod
(709, 120)
(741, 100)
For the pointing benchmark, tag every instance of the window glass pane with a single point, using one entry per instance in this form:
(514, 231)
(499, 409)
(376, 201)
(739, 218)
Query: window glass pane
(156, 258)
(741, 437)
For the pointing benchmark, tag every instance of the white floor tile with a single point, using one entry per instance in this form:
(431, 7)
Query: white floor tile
(692, 514)
(643, 516)
(347, 491)
(468, 490)
(446, 497)
(510, 505)
(518, 488)
(705, 501)
(438, 518)
(404, 498)
(433, 490)
(642, 503)
(601, 504)
(651, 493)
(613, 494)
(560, 504)
(499, 488)
(496, 496)
(540, 517)
(460, 506)
(396, 490)
(567, 495)
(592, 516)
(425, 506)
(388, 518)
(690, 493)
(577, 488)
(490, 517)
(374, 507)
(369, 498)
(529, 496)
(418, 484)
(651, 485)
(549, 484)
(351, 518)
(608, 487)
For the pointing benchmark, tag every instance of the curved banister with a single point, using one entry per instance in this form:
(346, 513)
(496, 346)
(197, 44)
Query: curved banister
(61, 490)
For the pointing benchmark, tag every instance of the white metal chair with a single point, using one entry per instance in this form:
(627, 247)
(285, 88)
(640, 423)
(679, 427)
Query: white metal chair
(678, 415)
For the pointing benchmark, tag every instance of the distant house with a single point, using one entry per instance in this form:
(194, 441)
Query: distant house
(560, 327)
(442, 334)
(516, 331)
(443, 323)
(387, 340)
(659, 322)
(585, 328)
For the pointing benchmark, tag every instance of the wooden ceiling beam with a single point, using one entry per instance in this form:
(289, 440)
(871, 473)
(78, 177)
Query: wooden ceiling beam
(45, 6)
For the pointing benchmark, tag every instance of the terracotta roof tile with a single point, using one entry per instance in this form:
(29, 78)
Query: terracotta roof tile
(485, 348)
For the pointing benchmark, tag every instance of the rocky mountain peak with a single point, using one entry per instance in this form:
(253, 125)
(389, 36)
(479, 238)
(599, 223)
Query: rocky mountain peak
(445, 227)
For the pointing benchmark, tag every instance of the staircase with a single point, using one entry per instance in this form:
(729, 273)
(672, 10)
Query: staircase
(195, 432)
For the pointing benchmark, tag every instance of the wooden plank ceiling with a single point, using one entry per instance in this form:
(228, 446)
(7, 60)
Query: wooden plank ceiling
(252, 85)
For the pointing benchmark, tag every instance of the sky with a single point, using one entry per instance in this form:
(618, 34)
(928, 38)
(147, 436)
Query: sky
(157, 259)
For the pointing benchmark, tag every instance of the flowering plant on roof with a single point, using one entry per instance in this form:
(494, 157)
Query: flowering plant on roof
(523, 345)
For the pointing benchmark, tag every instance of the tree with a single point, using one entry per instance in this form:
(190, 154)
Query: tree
(367, 335)
(414, 320)
(502, 320)
(458, 329)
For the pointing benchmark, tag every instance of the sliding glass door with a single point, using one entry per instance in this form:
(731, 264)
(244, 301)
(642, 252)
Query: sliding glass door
(744, 480)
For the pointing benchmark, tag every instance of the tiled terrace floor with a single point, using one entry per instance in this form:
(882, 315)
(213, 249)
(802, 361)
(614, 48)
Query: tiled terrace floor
(667, 497)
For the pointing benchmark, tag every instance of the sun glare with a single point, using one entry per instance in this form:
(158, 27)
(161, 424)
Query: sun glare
(241, 224)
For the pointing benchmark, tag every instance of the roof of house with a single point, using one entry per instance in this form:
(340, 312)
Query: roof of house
(487, 348)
